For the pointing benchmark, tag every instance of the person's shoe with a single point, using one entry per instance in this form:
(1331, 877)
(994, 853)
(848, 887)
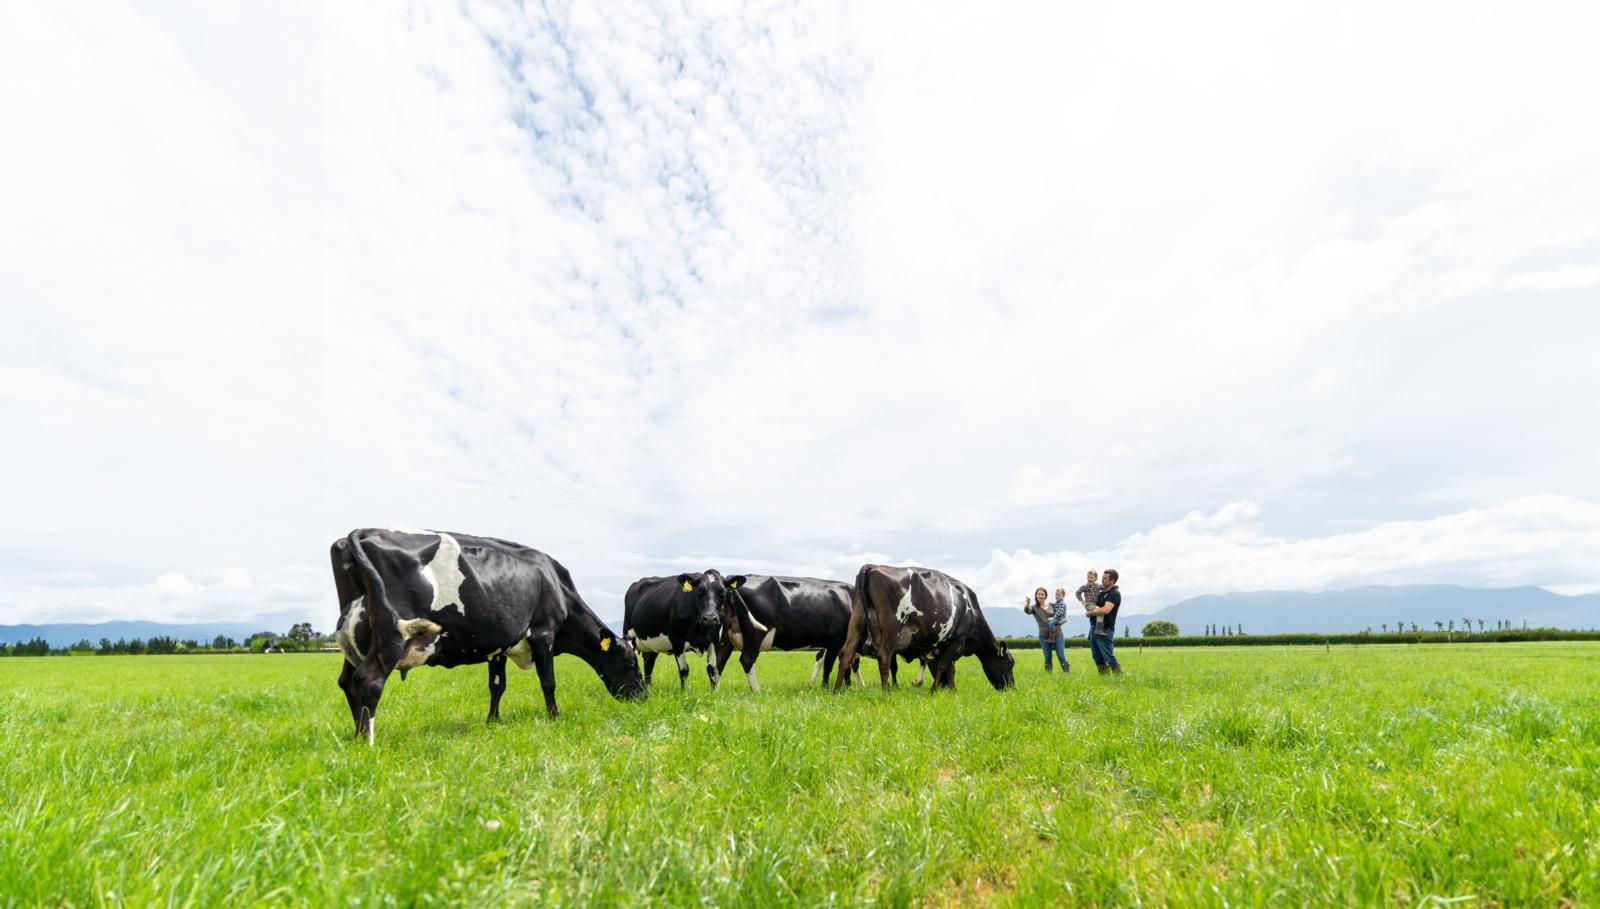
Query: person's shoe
(1104, 670)
(1048, 668)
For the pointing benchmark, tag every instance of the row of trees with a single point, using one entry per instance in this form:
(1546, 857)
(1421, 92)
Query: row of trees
(1360, 637)
(1448, 626)
(301, 637)
(1161, 628)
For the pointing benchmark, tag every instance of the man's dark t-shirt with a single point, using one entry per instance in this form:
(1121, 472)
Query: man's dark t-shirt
(1114, 597)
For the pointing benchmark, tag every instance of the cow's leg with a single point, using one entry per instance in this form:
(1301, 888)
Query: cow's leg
(827, 658)
(886, 668)
(545, 663)
(683, 667)
(649, 665)
(854, 635)
(747, 662)
(497, 685)
(720, 654)
(816, 670)
(347, 675)
(713, 667)
(922, 669)
(944, 669)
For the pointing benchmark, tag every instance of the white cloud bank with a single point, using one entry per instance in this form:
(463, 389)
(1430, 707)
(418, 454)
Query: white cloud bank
(1547, 541)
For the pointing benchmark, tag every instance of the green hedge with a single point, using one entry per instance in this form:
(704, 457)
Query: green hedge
(1266, 640)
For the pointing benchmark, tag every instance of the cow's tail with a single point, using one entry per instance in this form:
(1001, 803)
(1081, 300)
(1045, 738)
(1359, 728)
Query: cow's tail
(382, 620)
(746, 620)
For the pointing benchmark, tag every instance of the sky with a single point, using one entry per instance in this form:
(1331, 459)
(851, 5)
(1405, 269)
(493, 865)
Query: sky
(1226, 296)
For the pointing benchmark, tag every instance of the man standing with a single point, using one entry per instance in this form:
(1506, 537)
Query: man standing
(1103, 639)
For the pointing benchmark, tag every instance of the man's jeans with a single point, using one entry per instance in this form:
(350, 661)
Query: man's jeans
(1058, 648)
(1103, 648)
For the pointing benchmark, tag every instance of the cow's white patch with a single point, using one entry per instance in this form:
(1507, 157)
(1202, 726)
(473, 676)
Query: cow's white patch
(521, 654)
(657, 644)
(766, 642)
(906, 609)
(683, 663)
(957, 602)
(922, 668)
(346, 633)
(443, 574)
(751, 677)
(372, 730)
(816, 669)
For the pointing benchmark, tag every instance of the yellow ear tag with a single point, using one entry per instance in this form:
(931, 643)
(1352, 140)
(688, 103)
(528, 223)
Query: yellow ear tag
(687, 587)
(605, 643)
(734, 585)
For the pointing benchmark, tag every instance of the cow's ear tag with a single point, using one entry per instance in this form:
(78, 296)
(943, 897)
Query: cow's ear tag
(687, 587)
(605, 643)
(734, 585)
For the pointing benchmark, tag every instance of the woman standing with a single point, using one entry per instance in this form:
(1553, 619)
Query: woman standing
(1050, 640)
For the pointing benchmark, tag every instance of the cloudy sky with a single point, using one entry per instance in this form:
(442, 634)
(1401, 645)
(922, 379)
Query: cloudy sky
(1229, 297)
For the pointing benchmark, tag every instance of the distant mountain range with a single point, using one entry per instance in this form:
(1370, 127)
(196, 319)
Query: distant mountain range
(1359, 608)
(1346, 611)
(1261, 612)
(67, 634)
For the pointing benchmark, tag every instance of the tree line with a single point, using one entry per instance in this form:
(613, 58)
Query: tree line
(1419, 636)
(300, 638)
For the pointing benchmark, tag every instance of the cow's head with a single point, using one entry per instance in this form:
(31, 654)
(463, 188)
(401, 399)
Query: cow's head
(998, 665)
(700, 595)
(618, 666)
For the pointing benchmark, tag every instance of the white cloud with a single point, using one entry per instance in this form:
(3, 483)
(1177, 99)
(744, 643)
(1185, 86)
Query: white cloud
(223, 595)
(1549, 541)
(777, 282)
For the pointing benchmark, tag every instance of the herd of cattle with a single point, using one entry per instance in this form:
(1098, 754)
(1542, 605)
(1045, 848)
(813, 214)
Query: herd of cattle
(410, 598)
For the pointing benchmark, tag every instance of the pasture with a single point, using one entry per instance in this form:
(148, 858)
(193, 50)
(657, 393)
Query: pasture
(1378, 775)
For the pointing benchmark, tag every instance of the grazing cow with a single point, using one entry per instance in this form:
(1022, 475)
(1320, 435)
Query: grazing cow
(922, 613)
(672, 614)
(410, 598)
(773, 613)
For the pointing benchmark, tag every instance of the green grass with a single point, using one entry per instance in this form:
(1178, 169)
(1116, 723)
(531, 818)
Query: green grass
(1399, 776)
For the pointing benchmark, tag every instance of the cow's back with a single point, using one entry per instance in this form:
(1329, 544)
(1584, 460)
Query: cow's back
(647, 606)
(485, 591)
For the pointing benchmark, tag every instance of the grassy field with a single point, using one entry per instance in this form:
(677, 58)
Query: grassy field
(1398, 776)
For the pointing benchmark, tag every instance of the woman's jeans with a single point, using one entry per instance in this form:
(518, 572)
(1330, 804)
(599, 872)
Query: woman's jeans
(1057, 647)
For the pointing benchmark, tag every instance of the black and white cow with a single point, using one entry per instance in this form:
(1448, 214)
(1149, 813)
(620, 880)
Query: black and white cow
(410, 598)
(674, 614)
(761, 612)
(922, 613)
